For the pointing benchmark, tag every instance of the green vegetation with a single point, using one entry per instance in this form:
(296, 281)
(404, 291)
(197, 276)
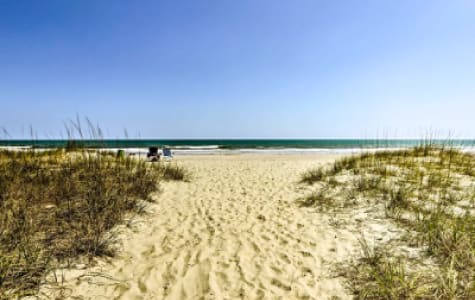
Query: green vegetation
(57, 206)
(172, 172)
(428, 191)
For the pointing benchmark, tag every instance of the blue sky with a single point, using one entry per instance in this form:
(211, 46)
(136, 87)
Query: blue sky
(248, 68)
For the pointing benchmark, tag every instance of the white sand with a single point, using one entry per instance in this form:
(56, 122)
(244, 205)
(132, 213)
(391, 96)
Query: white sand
(233, 232)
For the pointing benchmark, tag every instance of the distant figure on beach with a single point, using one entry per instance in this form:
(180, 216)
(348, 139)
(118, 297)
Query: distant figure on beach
(167, 153)
(153, 154)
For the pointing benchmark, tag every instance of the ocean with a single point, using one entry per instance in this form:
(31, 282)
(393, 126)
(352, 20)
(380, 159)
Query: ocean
(209, 146)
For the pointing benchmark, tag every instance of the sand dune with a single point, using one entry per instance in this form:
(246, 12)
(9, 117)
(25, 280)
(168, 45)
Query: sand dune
(232, 232)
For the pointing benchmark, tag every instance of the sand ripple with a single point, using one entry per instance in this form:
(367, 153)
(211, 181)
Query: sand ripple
(233, 232)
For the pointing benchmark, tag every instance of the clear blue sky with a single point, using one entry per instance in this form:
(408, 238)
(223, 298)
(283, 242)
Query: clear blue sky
(246, 68)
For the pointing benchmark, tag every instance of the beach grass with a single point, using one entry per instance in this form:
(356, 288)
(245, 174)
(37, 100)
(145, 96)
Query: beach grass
(429, 191)
(58, 206)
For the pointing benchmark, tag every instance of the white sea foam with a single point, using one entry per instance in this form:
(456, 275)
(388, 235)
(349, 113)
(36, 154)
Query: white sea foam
(14, 148)
(209, 147)
(215, 150)
(292, 150)
(282, 151)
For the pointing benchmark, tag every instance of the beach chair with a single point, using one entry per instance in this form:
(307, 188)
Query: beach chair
(167, 153)
(153, 154)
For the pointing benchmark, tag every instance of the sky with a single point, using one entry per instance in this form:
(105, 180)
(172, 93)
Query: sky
(239, 69)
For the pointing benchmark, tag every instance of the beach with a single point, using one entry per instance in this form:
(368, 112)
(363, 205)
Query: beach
(234, 231)
(237, 150)
(391, 224)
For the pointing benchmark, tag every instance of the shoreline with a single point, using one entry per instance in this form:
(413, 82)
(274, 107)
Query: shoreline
(208, 150)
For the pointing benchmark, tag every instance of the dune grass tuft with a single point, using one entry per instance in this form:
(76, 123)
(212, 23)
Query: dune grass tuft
(58, 205)
(173, 172)
(429, 191)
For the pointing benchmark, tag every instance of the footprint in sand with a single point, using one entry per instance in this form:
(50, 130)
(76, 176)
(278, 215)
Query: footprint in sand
(226, 234)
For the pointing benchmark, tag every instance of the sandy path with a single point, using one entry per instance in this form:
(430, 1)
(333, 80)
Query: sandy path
(232, 232)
